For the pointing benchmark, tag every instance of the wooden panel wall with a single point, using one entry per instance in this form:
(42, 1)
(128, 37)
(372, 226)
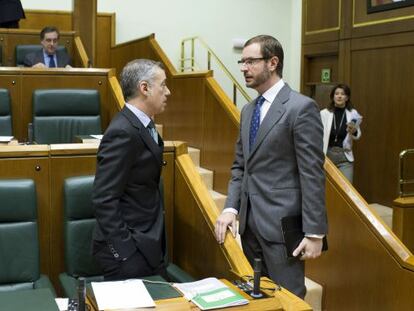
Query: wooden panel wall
(21, 83)
(371, 53)
(84, 23)
(37, 19)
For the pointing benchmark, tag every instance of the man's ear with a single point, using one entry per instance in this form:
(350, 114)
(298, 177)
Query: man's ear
(143, 88)
(273, 62)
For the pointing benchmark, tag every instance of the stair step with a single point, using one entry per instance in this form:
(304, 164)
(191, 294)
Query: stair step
(384, 212)
(314, 293)
(159, 129)
(206, 176)
(194, 154)
(219, 199)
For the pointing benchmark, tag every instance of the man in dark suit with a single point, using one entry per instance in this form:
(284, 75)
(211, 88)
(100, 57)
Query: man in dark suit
(11, 11)
(48, 56)
(278, 169)
(129, 236)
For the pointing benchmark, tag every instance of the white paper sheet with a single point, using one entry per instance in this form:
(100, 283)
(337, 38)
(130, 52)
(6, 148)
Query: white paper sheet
(122, 295)
(5, 139)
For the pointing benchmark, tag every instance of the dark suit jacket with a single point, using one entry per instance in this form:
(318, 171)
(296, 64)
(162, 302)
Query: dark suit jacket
(32, 59)
(126, 194)
(10, 10)
(283, 175)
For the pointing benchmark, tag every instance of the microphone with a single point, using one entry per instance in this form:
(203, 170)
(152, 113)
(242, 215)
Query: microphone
(30, 134)
(256, 278)
(81, 294)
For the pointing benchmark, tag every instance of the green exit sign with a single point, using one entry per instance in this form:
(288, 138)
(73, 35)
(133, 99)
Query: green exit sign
(326, 75)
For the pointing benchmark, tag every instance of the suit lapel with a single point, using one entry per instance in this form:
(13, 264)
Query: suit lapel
(155, 149)
(276, 111)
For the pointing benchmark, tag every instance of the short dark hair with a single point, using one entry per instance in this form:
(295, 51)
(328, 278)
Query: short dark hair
(49, 29)
(269, 47)
(347, 91)
(136, 71)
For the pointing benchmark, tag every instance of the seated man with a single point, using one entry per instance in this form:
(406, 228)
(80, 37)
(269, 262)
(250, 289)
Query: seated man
(48, 56)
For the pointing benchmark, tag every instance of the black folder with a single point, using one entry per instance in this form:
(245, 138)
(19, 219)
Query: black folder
(293, 234)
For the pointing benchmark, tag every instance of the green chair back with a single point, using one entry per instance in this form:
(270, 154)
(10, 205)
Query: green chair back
(19, 244)
(5, 113)
(61, 114)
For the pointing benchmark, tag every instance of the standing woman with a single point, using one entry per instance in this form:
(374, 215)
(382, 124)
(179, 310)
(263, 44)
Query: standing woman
(341, 127)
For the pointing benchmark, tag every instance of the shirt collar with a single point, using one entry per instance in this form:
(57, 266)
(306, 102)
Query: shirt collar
(145, 120)
(271, 93)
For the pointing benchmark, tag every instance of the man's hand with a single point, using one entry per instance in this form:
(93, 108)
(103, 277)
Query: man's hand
(309, 248)
(225, 220)
(39, 65)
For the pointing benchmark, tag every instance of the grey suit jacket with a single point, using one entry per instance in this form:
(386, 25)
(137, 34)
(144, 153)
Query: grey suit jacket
(32, 59)
(283, 175)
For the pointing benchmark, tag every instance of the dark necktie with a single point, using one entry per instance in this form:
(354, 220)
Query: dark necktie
(51, 61)
(153, 132)
(255, 122)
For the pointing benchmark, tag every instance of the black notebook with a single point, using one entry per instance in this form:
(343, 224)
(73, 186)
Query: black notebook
(293, 233)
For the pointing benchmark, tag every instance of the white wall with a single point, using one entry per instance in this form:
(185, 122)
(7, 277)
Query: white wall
(59, 5)
(216, 21)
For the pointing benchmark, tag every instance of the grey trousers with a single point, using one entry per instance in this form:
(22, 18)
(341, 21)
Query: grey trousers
(286, 272)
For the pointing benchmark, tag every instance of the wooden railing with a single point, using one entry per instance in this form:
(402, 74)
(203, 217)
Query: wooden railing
(366, 267)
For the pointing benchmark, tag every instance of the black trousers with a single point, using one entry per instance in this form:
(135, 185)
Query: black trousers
(135, 266)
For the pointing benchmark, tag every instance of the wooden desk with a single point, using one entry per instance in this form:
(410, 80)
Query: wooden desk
(180, 304)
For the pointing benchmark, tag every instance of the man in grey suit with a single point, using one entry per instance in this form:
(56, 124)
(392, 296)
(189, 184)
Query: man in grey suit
(48, 56)
(277, 171)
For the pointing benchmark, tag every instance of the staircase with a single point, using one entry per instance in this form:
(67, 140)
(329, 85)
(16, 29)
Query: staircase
(384, 212)
(314, 290)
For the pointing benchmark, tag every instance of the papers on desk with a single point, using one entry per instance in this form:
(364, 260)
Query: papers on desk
(97, 136)
(5, 139)
(210, 294)
(122, 295)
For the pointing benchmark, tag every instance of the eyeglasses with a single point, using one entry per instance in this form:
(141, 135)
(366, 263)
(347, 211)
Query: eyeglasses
(248, 62)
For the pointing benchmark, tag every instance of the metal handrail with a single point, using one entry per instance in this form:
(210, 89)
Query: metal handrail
(210, 53)
(401, 180)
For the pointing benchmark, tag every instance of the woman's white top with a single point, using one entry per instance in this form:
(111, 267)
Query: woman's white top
(327, 117)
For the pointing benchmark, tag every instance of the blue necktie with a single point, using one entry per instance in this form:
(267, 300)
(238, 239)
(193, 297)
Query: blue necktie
(153, 132)
(255, 122)
(51, 61)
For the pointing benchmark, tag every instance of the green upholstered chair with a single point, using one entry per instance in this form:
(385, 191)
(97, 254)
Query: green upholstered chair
(79, 222)
(21, 50)
(19, 244)
(61, 114)
(5, 113)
